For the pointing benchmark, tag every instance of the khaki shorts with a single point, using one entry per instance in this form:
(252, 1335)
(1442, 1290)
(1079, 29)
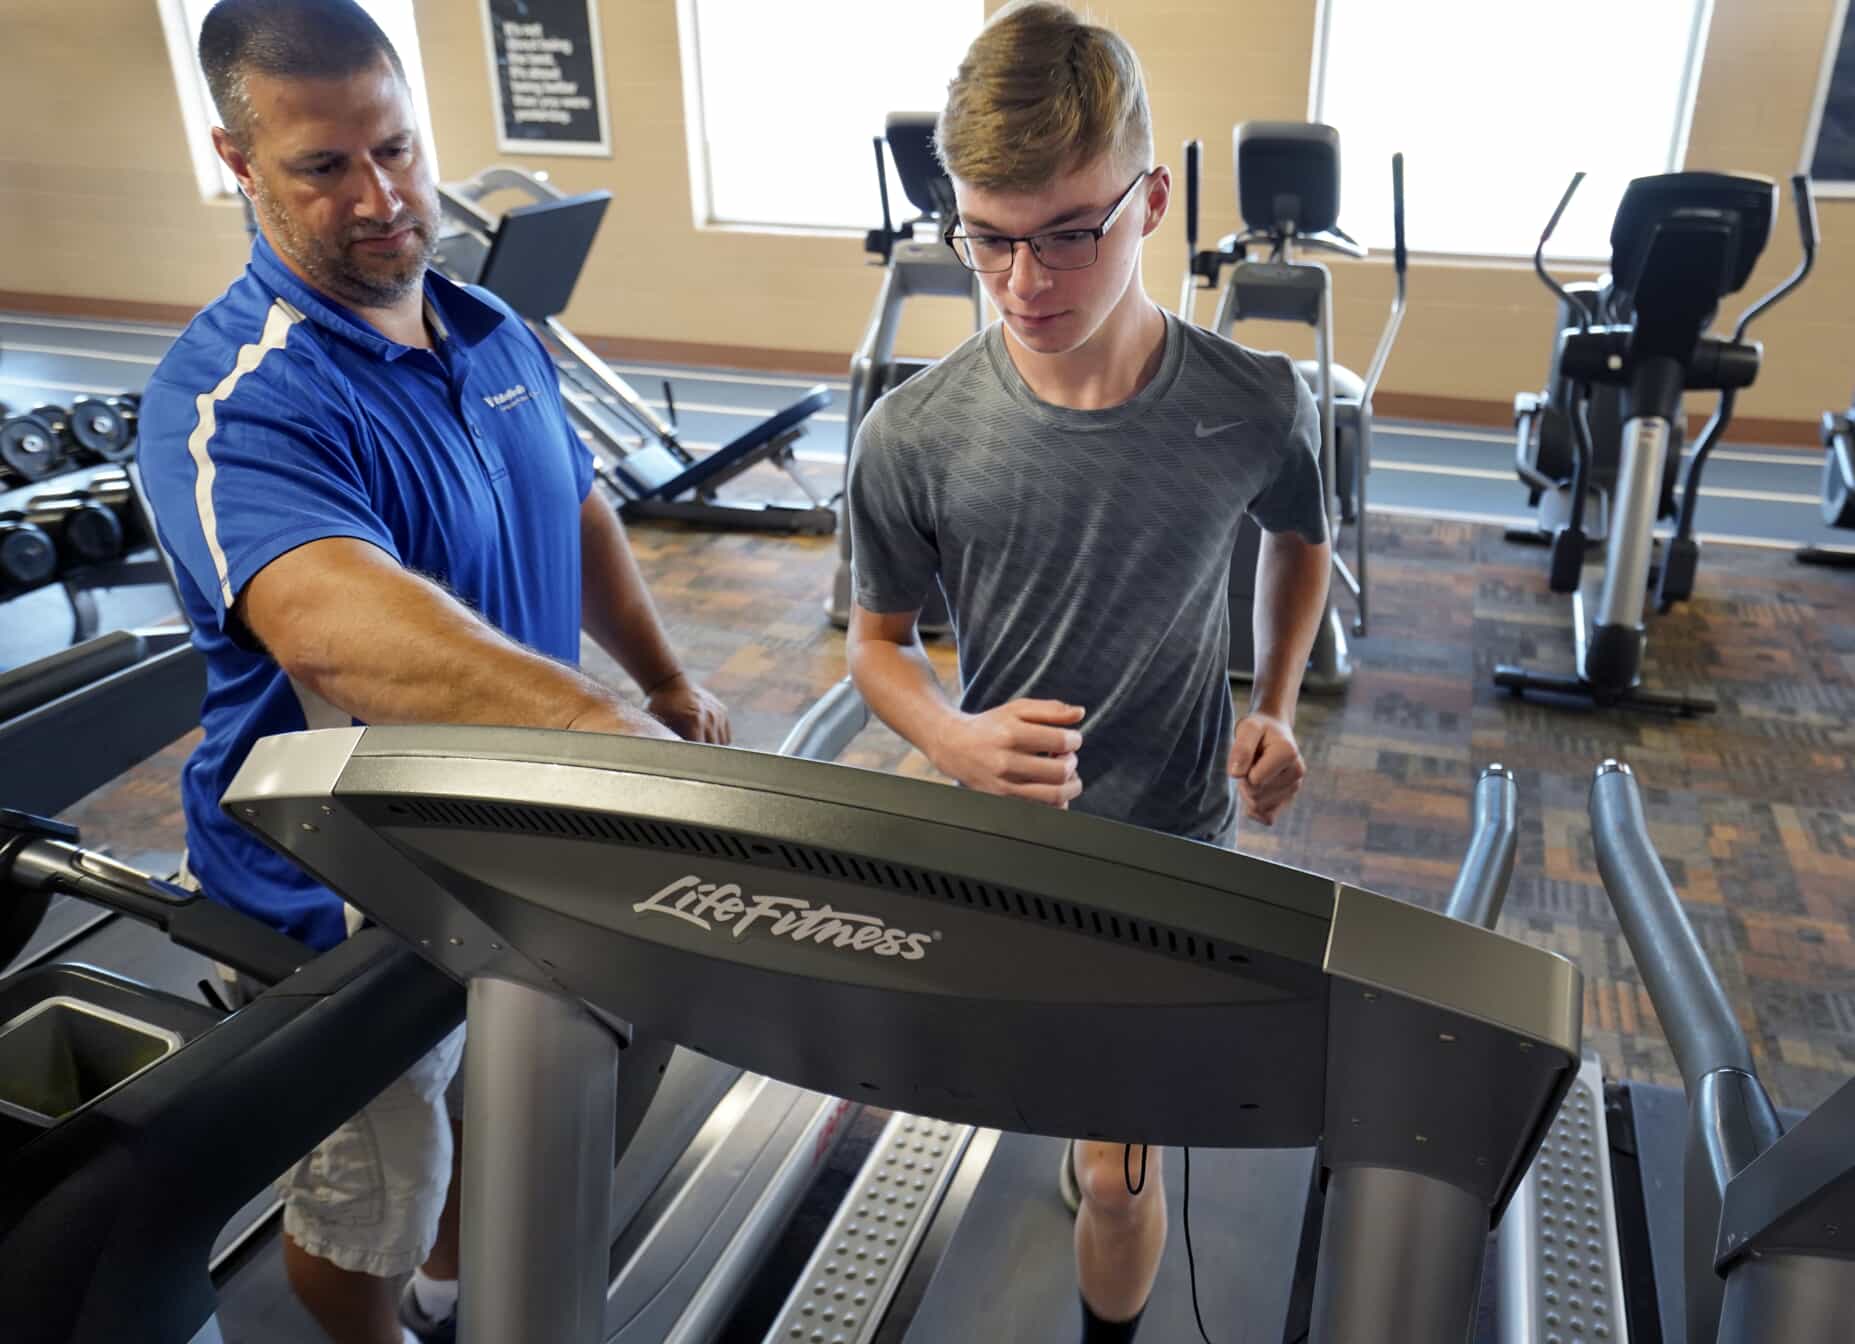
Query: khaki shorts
(367, 1198)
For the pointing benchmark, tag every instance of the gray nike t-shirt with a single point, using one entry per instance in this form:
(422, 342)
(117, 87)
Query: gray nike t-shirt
(1085, 555)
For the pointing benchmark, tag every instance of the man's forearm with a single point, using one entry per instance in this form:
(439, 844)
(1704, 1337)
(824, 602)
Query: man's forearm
(898, 683)
(1291, 602)
(615, 603)
(420, 656)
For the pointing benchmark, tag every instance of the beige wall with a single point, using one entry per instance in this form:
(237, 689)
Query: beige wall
(97, 195)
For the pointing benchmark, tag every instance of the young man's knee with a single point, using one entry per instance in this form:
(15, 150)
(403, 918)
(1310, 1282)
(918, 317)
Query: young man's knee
(1102, 1173)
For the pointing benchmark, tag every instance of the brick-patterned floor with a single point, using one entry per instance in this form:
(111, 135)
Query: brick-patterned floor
(1753, 808)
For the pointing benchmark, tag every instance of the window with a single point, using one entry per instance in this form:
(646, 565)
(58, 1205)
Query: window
(181, 20)
(1496, 105)
(781, 101)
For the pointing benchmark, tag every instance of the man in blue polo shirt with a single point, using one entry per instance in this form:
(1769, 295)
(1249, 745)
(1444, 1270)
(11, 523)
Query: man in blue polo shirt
(378, 513)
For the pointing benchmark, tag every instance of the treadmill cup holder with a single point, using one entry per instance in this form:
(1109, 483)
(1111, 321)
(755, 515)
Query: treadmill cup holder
(64, 1053)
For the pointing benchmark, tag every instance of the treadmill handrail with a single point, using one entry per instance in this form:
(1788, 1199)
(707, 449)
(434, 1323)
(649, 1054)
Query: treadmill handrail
(147, 706)
(189, 919)
(25, 688)
(1693, 1009)
(825, 729)
(1488, 867)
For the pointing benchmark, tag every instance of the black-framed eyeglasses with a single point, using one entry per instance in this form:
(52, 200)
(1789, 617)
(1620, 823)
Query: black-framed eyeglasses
(1058, 249)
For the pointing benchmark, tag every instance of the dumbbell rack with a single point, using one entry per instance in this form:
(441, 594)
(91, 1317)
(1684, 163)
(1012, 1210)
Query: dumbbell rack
(68, 509)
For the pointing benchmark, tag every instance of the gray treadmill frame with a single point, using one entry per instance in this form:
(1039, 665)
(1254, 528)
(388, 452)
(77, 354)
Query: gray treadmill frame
(1412, 996)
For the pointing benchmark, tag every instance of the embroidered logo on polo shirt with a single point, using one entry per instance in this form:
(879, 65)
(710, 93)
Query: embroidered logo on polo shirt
(510, 399)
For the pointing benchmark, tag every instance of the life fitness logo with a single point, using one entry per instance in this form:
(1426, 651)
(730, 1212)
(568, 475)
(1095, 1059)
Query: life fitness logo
(706, 904)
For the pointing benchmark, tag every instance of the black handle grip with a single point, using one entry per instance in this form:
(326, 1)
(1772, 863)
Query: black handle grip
(1399, 256)
(1194, 154)
(1805, 200)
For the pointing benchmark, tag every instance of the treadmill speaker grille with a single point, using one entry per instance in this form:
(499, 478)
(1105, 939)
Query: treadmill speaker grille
(827, 863)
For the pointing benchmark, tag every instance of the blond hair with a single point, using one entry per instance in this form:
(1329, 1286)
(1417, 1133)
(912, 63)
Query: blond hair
(1041, 92)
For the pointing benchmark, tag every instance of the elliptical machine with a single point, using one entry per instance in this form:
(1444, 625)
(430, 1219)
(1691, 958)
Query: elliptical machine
(1838, 493)
(1288, 190)
(1545, 452)
(1680, 243)
(917, 263)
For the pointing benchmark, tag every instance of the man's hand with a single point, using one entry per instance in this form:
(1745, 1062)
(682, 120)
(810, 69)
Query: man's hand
(618, 717)
(690, 711)
(1267, 766)
(1024, 749)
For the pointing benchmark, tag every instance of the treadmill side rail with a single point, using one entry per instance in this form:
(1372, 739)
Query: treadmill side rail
(851, 1278)
(1558, 1247)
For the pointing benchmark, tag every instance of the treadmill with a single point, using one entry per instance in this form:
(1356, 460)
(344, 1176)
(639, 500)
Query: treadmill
(966, 961)
(705, 1162)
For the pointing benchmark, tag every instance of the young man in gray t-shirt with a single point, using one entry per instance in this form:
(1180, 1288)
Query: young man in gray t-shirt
(1074, 477)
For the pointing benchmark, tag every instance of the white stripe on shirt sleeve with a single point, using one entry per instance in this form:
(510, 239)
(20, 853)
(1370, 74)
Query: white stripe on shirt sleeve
(276, 331)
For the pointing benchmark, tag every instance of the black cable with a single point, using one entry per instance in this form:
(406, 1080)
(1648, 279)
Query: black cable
(1191, 1260)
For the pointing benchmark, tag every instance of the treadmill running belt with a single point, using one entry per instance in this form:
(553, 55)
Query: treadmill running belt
(1010, 1270)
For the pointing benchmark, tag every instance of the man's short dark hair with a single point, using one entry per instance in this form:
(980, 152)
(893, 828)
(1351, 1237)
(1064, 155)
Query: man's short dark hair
(307, 39)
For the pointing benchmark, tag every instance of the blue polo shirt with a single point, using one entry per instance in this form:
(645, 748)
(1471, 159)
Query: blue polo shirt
(279, 418)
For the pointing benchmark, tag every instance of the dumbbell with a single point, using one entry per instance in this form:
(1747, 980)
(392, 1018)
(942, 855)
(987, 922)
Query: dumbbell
(30, 445)
(28, 555)
(87, 531)
(101, 430)
(129, 406)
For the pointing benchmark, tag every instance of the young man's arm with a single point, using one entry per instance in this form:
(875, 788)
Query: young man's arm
(385, 645)
(617, 611)
(1291, 602)
(1024, 749)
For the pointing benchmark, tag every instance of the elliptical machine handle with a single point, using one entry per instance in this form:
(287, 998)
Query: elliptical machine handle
(1805, 201)
(1399, 259)
(1194, 153)
(1539, 255)
(881, 244)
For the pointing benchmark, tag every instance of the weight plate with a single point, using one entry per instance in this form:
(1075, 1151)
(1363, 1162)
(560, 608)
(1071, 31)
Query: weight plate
(98, 428)
(56, 416)
(29, 447)
(27, 556)
(92, 534)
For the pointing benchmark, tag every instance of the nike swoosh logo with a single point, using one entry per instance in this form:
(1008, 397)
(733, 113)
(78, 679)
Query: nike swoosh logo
(1206, 431)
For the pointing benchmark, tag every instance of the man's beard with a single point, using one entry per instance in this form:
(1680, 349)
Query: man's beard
(335, 270)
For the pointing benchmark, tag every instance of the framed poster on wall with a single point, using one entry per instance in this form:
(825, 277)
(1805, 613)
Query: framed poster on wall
(1829, 144)
(547, 76)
